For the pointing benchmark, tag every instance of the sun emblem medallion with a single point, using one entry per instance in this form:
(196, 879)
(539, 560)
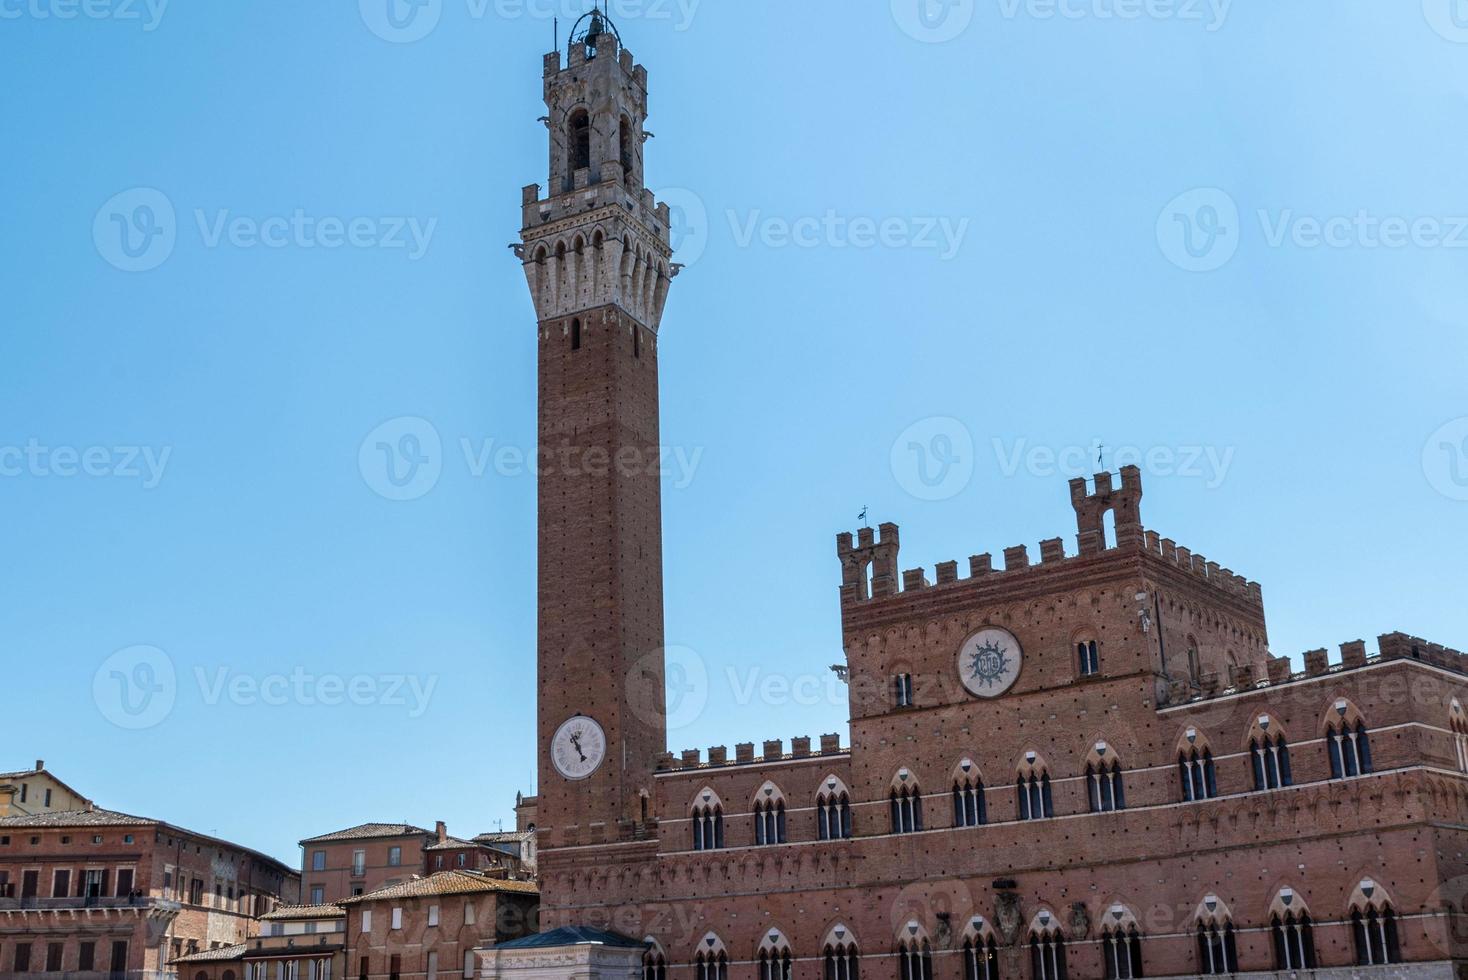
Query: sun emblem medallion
(989, 662)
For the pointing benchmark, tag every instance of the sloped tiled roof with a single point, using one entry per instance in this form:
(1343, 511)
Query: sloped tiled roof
(97, 818)
(452, 844)
(77, 818)
(505, 837)
(292, 913)
(447, 883)
(368, 831)
(224, 954)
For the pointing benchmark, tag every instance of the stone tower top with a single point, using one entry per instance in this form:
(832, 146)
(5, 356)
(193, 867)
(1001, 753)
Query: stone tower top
(598, 237)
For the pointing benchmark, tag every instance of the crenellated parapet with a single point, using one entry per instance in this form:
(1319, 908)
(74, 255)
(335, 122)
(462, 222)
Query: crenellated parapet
(1123, 503)
(771, 750)
(1353, 655)
(869, 562)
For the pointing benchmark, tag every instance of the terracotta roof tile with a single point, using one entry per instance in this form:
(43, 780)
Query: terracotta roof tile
(291, 913)
(224, 954)
(368, 831)
(447, 883)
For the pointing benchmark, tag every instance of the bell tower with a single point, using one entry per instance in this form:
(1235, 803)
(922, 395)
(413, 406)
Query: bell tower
(598, 262)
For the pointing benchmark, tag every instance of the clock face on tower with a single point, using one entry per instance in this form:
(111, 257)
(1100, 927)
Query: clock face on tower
(578, 748)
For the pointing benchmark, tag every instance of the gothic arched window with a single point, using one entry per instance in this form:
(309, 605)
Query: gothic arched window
(1047, 953)
(968, 802)
(1294, 940)
(1217, 949)
(1104, 787)
(1032, 788)
(578, 134)
(711, 965)
(1375, 934)
(915, 959)
(980, 958)
(1347, 743)
(624, 146)
(833, 811)
(769, 822)
(1088, 660)
(708, 824)
(907, 809)
(774, 959)
(1200, 781)
(842, 959)
(1269, 755)
(1121, 952)
(654, 964)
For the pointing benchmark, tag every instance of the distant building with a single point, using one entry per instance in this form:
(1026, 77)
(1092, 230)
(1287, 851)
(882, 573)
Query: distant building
(94, 893)
(299, 942)
(361, 859)
(35, 791)
(430, 928)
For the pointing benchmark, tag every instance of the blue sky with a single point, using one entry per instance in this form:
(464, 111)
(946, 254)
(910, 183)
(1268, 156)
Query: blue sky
(1228, 236)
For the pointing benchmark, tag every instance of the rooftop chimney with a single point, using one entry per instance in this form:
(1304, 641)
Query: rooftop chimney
(443, 831)
(40, 764)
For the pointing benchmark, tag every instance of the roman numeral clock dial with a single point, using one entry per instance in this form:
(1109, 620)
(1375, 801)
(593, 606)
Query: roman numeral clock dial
(578, 748)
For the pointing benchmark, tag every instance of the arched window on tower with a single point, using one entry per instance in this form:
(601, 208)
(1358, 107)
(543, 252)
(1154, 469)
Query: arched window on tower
(906, 803)
(833, 811)
(1195, 768)
(1269, 755)
(1104, 787)
(578, 136)
(980, 951)
(769, 815)
(1121, 945)
(1374, 926)
(1291, 932)
(1047, 948)
(708, 822)
(1088, 660)
(1218, 953)
(654, 962)
(711, 962)
(914, 954)
(625, 136)
(774, 959)
(1032, 789)
(1347, 742)
(575, 334)
(1195, 663)
(969, 809)
(842, 958)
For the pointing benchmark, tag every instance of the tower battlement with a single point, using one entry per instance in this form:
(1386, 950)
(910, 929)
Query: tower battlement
(869, 563)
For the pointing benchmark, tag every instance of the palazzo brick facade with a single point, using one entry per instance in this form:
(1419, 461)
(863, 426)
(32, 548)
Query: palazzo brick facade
(1084, 763)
